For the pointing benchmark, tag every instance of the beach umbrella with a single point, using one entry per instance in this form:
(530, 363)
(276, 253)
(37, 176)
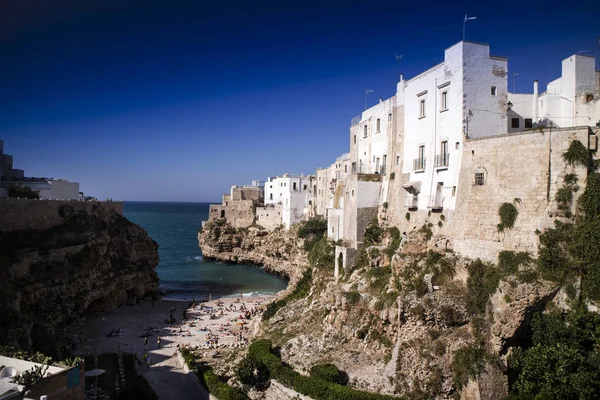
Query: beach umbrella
(94, 372)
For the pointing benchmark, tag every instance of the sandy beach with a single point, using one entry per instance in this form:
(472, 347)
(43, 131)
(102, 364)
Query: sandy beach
(211, 325)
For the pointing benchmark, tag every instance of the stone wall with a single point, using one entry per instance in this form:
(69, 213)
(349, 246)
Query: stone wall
(269, 216)
(21, 214)
(525, 166)
(240, 214)
(246, 193)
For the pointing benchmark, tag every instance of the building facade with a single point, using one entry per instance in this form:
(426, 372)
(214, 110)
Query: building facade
(570, 100)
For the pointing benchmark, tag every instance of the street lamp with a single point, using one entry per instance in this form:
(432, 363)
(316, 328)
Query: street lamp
(515, 74)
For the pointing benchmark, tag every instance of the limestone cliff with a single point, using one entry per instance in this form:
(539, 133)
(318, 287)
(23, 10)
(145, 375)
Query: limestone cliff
(90, 258)
(279, 252)
(402, 322)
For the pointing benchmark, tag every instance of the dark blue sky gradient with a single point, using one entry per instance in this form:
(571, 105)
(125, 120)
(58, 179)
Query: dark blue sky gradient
(178, 100)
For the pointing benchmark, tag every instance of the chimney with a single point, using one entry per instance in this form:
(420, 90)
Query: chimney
(380, 99)
(535, 101)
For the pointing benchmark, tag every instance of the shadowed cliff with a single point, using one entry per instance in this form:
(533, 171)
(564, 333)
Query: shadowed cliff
(90, 258)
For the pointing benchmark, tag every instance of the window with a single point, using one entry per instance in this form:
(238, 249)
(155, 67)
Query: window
(589, 97)
(378, 125)
(479, 179)
(422, 108)
(493, 90)
(421, 152)
(270, 186)
(389, 117)
(345, 168)
(444, 101)
(444, 147)
(365, 134)
(271, 196)
(354, 139)
(514, 122)
(528, 123)
(294, 185)
(304, 187)
(352, 193)
(457, 145)
(453, 191)
(397, 160)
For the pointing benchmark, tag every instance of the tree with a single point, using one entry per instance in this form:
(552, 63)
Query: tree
(16, 191)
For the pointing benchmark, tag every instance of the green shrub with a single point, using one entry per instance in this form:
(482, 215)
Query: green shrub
(508, 214)
(22, 192)
(372, 233)
(316, 388)
(215, 386)
(564, 195)
(481, 284)
(509, 261)
(407, 216)
(322, 254)
(329, 373)
(394, 243)
(392, 175)
(353, 297)
(577, 155)
(385, 205)
(570, 179)
(564, 362)
(380, 277)
(300, 291)
(467, 363)
(312, 231)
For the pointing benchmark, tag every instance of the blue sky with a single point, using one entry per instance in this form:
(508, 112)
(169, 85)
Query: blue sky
(178, 100)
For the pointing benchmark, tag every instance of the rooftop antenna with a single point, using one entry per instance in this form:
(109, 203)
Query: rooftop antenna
(582, 51)
(465, 23)
(398, 58)
(515, 74)
(366, 94)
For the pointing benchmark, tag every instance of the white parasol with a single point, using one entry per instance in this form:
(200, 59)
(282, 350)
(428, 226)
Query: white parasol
(94, 372)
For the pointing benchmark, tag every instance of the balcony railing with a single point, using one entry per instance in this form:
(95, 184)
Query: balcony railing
(368, 169)
(442, 160)
(419, 164)
(412, 201)
(436, 203)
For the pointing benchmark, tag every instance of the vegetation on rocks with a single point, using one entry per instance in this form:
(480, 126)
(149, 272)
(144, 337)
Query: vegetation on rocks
(508, 214)
(260, 353)
(300, 291)
(312, 231)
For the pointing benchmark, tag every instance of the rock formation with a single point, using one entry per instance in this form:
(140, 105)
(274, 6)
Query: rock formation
(395, 322)
(93, 260)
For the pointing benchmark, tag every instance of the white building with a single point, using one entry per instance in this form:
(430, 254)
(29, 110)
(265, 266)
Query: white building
(54, 189)
(571, 100)
(464, 96)
(371, 140)
(293, 192)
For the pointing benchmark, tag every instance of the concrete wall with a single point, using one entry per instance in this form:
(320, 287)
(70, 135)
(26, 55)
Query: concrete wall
(528, 166)
(17, 214)
(269, 216)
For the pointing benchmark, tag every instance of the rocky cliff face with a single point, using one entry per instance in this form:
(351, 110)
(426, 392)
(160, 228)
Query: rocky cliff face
(279, 252)
(402, 322)
(94, 260)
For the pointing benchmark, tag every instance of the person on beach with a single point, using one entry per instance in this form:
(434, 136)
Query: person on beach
(158, 341)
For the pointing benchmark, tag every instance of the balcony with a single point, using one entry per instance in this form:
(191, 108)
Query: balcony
(412, 201)
(419, 164)
(436, 203)
(442, 160)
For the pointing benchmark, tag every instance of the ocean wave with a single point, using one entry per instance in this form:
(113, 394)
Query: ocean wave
(190, 258)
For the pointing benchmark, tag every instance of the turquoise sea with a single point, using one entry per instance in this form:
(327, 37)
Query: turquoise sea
(183, 273)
